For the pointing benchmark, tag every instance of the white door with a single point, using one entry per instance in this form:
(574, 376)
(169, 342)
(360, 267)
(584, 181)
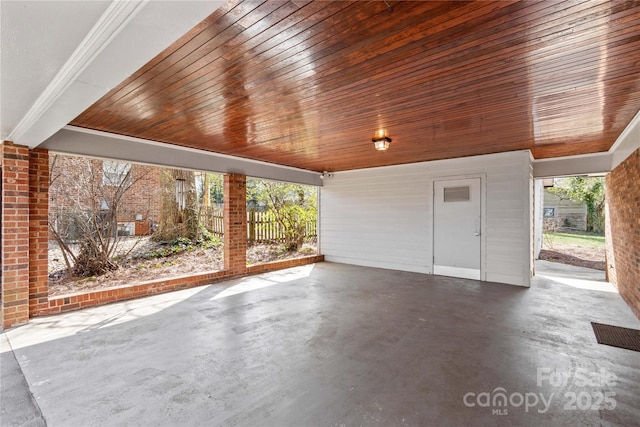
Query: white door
(456, 228)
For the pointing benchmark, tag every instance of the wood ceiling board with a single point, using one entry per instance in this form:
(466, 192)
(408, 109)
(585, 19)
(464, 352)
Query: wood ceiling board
(143, 73)
(307, 86)
(180, 106)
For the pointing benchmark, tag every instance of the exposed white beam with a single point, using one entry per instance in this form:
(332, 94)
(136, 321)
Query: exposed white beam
(86, 142)
(586, 164)
(627, 142)
(117, 15)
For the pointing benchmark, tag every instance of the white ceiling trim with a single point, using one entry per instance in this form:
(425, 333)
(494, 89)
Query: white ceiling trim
(114, 19)
(627, 142)
(633, 125)
(88, 142)
(584, 164)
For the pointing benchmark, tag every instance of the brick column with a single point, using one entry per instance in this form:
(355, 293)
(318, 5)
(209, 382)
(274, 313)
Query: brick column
(15, 235)
(235, 224)
(38, 230)
(623, 230)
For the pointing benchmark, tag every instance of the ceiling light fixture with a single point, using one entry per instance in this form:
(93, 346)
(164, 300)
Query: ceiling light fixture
(381, 140)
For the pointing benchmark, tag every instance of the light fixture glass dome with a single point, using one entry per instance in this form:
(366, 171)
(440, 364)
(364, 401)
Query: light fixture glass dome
(381, 140)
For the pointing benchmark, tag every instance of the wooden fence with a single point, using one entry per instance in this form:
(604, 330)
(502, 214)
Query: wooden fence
(213, 220)
(261, 226)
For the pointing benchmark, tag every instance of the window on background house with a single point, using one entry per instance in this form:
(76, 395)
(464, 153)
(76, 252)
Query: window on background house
(549, 212)
(115, 173)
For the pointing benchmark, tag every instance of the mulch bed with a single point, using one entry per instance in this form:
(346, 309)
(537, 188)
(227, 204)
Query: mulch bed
(563, 258)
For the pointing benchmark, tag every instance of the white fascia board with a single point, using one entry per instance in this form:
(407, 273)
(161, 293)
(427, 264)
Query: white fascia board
(127, 36)
(627, 143)
(85, 142)
(584, 164)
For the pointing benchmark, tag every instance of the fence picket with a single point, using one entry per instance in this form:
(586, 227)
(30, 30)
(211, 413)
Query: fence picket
(261, 226)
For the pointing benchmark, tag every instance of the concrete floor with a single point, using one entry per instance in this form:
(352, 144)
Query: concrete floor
(335, 344)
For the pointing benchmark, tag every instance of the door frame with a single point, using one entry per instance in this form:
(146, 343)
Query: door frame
(483, 217)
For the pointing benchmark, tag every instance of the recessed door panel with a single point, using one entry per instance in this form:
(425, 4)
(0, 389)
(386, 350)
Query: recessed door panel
(456, 228)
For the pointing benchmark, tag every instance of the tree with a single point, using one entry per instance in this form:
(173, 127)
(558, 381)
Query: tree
(216, 188)
(255, 189)
(293, 206)
(591, 191)
(89, 200)
(178, 220)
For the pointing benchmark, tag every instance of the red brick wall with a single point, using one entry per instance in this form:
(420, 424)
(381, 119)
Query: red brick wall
(69, 189)
(15, 235)
(66, 174)
(122, 293)
(38, 229)
(623, 230)
(145, 195)
(235, 224)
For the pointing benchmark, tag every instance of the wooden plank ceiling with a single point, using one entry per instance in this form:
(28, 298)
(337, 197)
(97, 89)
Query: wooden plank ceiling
(306, 84)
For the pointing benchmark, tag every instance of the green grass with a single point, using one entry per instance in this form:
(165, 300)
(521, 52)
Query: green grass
(584, 240)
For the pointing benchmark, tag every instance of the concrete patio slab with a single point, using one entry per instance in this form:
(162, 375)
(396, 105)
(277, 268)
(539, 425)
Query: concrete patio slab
(332, 344)
(17, 406)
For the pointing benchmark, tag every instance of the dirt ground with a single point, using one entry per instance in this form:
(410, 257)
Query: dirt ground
(138, 269)
(572, 255)
(200, 260)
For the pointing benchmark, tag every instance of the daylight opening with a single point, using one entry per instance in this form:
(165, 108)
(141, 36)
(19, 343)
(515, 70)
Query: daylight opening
(282, 221)
(116, 223)
(570, 221)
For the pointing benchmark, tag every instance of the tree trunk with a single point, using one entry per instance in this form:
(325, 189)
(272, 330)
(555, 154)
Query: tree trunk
(206, 190)
(175, 222)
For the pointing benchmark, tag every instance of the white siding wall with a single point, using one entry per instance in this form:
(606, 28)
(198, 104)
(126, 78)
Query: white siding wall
(382, 217)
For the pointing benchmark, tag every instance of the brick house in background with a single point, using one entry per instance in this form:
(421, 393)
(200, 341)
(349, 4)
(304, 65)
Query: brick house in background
(80, 184)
